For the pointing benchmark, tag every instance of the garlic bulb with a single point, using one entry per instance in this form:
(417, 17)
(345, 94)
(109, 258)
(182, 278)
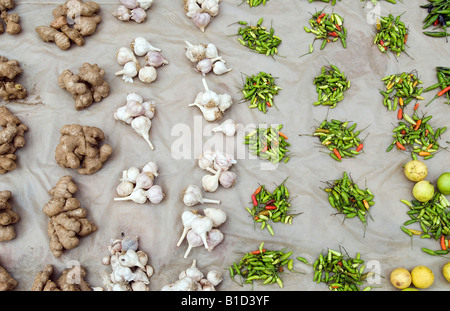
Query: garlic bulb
(137, 196)
(149, 109)
(214, 238)
(204, 66)
(217, 215)
(155, 59)
(147, 74)
(142, 126)
(134, 97)
(130, 243)
(129, 71)
(122, 13)
(192, 272)
(211, 51)
(125, 188)
(211, 7)
(210, 183)
(225, 102)
(195, 52)
(130, 4)
(130, 259)
(155, 194)
(130, 174)
(194, 240)
(141, 46)
(223, 161)
(134, 108)
(227, 179)
(219, 68)
(187, 217)
(228, 127)
(151, 167)
(144, 181)
(121, 114)
(202, 225)
(145, 4)
(201, 20)
(138, 15)
(193, 195)
(214, 277)
(206, 159)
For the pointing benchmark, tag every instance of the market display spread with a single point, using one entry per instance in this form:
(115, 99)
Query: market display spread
(118, 209)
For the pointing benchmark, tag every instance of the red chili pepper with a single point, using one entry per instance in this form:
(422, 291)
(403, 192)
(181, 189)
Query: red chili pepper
(264, 149)
(400, 146)
(338, 27)
(382, 42)
(271, 207)
(444, 91)
(426, 132)
(339, 263)
(337, 154)
(282, 135)
(418, 122)
(436, 22)
(268, 104)
(319, 19)
(270, 202)
(258, 190)
(406, 37)
(400, 114)
(255, 201)
(359, 147)
(258, 252)
(333, 34)
(443, 246)
(416, 106)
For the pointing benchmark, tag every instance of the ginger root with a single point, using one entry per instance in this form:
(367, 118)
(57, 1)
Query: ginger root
(7, 217)
(87, 87)
(73, 21)
(9, 70)
(11, 138)
(68, 220)
(71, 279)
(12, 21)
(79, 148)
(7, 282)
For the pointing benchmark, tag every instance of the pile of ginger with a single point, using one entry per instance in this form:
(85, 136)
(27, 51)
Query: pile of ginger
(11, 20)
(11, 138)
(9, 88)
(67, 219)
(73, 21)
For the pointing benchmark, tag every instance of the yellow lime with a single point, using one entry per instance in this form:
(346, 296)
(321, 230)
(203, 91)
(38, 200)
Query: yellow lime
(443, 183)
(416, 170)
(400, 278)
(422, 277)
(423, 191)
(446, 271)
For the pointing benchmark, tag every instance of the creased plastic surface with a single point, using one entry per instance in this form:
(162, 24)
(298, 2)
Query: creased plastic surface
(316, 229)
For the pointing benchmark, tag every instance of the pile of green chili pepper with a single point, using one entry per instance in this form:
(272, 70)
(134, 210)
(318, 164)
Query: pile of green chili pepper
(342, 140)
(400, 90)
(259, 90)
(271, 206)
(253, 3)
(443, 76)
(434, 219)
(438, 16)
(333, 2)
(258, 38)
(340, 272)
(350, 200)
(327, 27)
(262, 264)
(330, 86)
(392, 34)
(417, 134)
(268, 143)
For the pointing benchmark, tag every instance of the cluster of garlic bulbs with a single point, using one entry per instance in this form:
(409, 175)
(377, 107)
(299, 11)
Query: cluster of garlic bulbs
(211, 104)
(138, 185)
(202, 230)
(193, 279)
(130, 268)
(132, 10)
(219, 164)
(206, 57)
(127, 57)
(137, 113)
(201, 12)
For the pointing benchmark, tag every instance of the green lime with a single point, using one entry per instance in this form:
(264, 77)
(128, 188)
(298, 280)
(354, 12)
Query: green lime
(443, 183)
